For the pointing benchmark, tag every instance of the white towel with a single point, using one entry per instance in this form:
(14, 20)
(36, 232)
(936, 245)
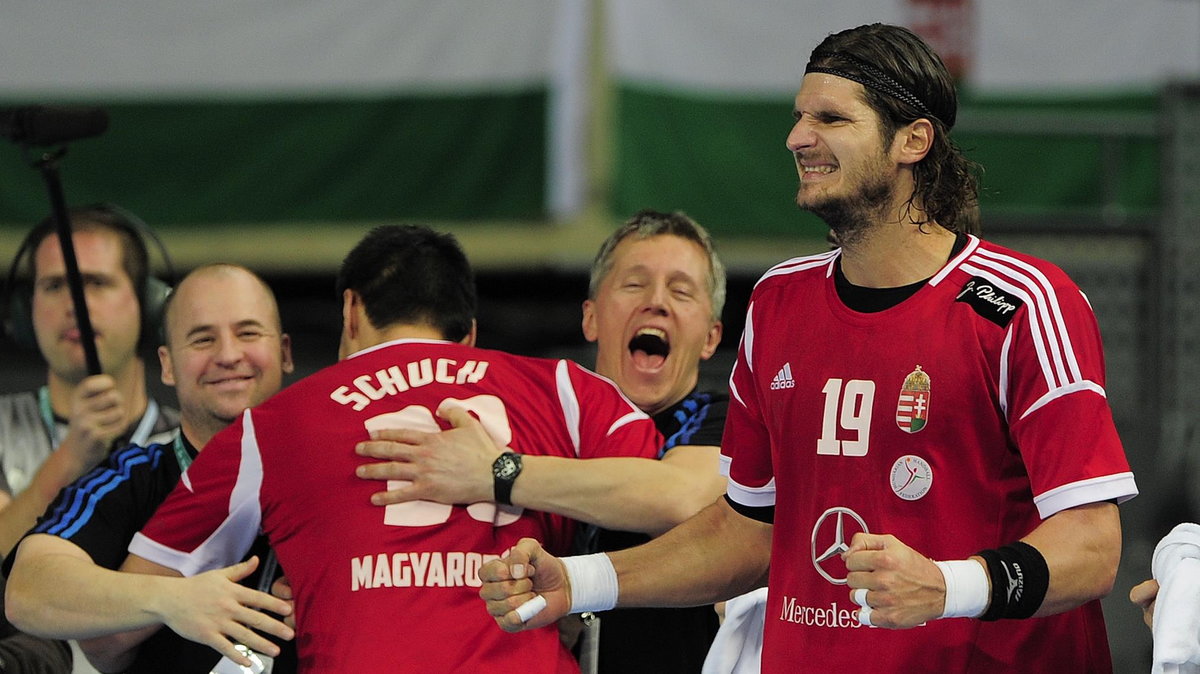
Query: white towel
(1176, 567)
(737, 648)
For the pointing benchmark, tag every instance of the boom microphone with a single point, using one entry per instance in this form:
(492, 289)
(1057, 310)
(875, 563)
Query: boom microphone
(51, 125)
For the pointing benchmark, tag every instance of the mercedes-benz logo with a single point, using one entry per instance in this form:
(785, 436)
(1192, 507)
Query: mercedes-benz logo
(834, 528)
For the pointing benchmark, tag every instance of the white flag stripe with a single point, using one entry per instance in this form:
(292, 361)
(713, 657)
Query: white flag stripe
(1054, 306)
(752, 47)
(1039, 341)
(158, 49)
(1017, 38)
(1051, 329)
(757, 47)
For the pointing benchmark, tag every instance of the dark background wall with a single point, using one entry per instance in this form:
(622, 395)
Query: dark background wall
(535, 312)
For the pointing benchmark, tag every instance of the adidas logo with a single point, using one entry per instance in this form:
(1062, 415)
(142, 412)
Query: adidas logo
(783, 379)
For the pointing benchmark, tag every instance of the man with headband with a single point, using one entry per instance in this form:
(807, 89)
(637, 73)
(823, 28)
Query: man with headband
(919, 447)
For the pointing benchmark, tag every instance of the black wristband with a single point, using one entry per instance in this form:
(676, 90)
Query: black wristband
(1020, 579)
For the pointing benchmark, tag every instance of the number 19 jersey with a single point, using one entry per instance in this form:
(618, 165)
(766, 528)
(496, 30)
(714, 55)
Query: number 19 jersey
(956, 420)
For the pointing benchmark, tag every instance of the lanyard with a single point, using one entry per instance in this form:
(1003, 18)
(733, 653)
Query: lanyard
(181, 453)
(140, 435)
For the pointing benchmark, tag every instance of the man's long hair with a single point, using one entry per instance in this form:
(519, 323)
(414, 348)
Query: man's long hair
(905, 80)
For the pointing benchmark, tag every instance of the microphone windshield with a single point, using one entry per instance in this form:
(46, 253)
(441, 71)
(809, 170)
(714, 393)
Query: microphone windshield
(51, 125)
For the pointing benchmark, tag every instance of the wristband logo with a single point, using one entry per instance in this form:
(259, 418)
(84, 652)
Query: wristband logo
(831, 537)
(1015, 583)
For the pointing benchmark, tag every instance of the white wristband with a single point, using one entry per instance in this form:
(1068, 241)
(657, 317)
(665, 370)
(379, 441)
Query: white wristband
(967, 591)
(593, 582)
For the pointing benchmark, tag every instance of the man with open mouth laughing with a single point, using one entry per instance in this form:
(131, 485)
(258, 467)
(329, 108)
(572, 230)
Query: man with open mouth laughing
(653, 310)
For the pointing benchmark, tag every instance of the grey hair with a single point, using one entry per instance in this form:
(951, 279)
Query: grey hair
(646, 224)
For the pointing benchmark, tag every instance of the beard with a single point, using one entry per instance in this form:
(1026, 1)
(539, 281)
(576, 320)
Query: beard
(852, 216)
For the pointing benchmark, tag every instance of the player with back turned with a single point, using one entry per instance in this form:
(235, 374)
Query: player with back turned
(392, 588)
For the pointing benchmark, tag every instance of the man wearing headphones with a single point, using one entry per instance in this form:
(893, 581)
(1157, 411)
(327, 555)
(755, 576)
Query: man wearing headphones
(51, 436)
(224, 351)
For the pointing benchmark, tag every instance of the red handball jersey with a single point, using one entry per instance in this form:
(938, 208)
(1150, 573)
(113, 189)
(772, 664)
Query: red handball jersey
(391, 588)
(956, 420)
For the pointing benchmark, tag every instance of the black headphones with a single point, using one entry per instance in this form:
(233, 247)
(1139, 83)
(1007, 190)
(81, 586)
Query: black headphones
(151, 292)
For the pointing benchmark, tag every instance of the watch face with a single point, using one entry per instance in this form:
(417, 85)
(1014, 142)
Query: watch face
(506, 467)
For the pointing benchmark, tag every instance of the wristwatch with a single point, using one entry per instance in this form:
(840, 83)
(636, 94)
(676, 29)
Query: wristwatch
(505, 470)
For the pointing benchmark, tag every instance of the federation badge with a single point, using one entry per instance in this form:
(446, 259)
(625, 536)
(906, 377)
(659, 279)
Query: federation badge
(912, 411)
(911, 477)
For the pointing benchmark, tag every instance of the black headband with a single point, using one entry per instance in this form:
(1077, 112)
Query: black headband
(873, 78)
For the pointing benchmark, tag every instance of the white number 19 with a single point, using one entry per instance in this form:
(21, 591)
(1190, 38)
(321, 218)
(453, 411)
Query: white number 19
(855, 404)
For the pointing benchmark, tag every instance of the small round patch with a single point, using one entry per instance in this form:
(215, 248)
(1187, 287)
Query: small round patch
(911, 477)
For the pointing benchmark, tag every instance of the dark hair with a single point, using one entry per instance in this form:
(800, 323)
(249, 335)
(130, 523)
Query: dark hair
(135, 259)
(647, 223)
(409, 274)
(905, 80)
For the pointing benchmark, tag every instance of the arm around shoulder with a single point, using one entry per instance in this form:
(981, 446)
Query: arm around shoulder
(630, 494)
